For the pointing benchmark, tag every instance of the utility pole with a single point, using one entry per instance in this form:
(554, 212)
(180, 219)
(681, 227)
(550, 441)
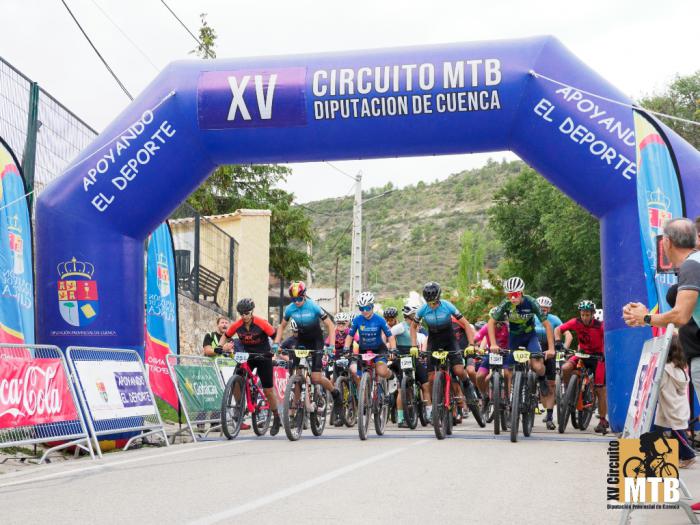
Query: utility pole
(365, 256)
(337, 302)
(356, 254)
(309, 252)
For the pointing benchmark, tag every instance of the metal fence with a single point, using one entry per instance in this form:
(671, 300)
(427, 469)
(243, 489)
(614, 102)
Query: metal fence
(70, 432)
(200, 391)
(108, 360)
(204, 259)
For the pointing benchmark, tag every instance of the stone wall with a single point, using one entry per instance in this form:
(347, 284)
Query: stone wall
(195, 321)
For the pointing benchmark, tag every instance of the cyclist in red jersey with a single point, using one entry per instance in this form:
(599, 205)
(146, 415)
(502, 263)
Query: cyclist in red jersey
(255, 332)
(589, 332)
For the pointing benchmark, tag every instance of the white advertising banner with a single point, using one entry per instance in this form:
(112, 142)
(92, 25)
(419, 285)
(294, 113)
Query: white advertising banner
(114, 389)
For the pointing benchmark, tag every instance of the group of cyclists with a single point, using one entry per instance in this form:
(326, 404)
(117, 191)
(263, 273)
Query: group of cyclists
(434, 334)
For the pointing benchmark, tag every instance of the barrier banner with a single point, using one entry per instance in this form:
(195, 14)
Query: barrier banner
(16, 276)
(34, 392)
(281, 375)
(115, 389)
(200, 387)
(161, 312)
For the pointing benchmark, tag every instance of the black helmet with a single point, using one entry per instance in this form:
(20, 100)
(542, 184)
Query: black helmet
(391, 313)
(431, 291)
(245, 305)
(479, 325)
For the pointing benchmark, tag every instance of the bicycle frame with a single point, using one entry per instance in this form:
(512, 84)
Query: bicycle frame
(249, 374)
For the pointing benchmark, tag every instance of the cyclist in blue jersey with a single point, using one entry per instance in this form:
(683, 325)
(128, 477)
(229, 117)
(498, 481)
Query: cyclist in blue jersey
(550, 364)
(306, 315)
(437, 314)
(370, 327)
(520, 310)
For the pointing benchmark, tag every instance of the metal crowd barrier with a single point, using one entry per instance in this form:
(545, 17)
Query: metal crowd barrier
(62, 434)
(226, 366)
(94, 372)
(200, 390)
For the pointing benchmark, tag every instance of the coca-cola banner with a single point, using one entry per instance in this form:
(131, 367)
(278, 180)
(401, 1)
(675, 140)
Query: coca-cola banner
(115, 389)
(34, 392)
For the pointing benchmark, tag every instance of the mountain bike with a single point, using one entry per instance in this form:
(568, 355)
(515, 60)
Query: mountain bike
(559, 386)
(636, 467)
(579, 400)
(301, 397)
(497, 409)
(348, 391)
(411, 393)
(243, 394)
(372, 399)
(523, 398)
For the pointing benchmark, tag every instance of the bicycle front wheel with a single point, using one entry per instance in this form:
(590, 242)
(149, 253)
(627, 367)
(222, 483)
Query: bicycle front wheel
(440, 412)
(409, 402)
(317, 418)
(472, 399)
(586, 413)
(515, 405)
(262, 415)
(530, 401)
(293, 408)
(364, 408)
(633, 468)
(382, 408)
(569, 405)
(496, 402)
(233, 406)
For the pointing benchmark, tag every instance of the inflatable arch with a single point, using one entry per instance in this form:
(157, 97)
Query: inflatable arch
(433, 100)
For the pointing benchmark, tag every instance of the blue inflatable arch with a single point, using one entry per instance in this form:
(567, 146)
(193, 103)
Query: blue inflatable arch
(433, 100)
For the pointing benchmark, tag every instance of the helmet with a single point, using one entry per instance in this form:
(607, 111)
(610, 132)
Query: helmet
(586, 305)
(598, 315)
(365, 299)
(492, 312)
(431, 291)
(342, 317)
(297, 289)
(479, 325)
(391, 313)
(245, 305)
(544, 302)
(293, 325)
(409, 310)
(514, 284)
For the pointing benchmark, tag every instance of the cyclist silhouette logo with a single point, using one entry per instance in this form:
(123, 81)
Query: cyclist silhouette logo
(655, 447)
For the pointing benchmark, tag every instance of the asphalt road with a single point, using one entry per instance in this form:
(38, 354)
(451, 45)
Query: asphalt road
(405, 476)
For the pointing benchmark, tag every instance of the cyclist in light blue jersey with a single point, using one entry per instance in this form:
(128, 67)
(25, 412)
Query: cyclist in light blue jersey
(550, 364)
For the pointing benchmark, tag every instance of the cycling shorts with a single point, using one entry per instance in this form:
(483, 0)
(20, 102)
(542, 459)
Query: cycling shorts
(445, 343)
(262, 365)
(597, 366)
(382, 353)
(550, 368)
(528, 341)
(313, 341)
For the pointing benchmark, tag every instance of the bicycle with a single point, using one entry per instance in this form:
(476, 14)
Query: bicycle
(243, 394)
(559, 386)
(372, 399)
(523, 395)
(412, 394)
(497, 410)
(302, 397)
(348, 391)
(579, 400)
(444, 403)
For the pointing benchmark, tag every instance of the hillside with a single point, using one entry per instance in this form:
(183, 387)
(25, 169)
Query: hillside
(414, 232)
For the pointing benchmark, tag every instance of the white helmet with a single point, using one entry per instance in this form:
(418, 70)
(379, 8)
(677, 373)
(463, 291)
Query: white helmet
(409, 310)
(365, 299)
(514, 284)
(598, 315)
(293, 325)
(342, 317)
(544, 302)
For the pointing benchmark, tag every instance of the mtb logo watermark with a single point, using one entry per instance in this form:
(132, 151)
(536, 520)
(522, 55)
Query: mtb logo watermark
(643, 473)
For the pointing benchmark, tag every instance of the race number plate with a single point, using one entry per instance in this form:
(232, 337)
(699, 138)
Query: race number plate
(581, 355)
(304, 362)
(302, 353)
(560, 356)
(240, 357)
(342, 363)
(521, 356)
(439, 355)
(368, 356)
(495, 359)
(406, 363)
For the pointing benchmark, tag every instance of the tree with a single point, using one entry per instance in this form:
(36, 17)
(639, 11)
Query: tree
(682, 99)
(471, 260)
(548, 240)
(233, 187)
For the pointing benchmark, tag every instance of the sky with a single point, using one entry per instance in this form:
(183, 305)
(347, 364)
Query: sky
(139, 37)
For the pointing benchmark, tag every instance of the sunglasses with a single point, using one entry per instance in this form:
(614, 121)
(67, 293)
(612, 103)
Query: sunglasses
(433, 303)
(298, 299)
(247, 313)
(514, 295)
(366, 308)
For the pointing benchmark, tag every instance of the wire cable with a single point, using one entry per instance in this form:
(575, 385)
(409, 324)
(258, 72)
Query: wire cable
(336, 168)
(619, 103)
(126, 91)
(187, 28)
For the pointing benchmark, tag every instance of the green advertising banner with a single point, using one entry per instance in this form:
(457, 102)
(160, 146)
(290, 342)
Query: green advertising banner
(200, 387)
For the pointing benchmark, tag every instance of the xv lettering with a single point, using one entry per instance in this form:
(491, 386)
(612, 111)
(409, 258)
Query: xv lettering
(264, 99)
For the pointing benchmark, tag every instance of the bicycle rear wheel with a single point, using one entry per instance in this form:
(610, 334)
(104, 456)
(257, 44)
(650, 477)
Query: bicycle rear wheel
(382, 409)
(293, 408)
(472, 400)
(496, 402)
(364, 408)
(440, 413)
(233, 406)
(317, 418)
(409, 401)
(422, 411)
(346, 411)
(569, 405)
(515, 405)
(261, 417)
(530, 397)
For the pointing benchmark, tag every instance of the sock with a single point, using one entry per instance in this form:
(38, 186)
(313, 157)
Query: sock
(550, 411)
(429, 410)
(399, 416)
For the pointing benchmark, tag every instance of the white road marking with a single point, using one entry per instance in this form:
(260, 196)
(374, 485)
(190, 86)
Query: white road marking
(111, 464)
(284, 493)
